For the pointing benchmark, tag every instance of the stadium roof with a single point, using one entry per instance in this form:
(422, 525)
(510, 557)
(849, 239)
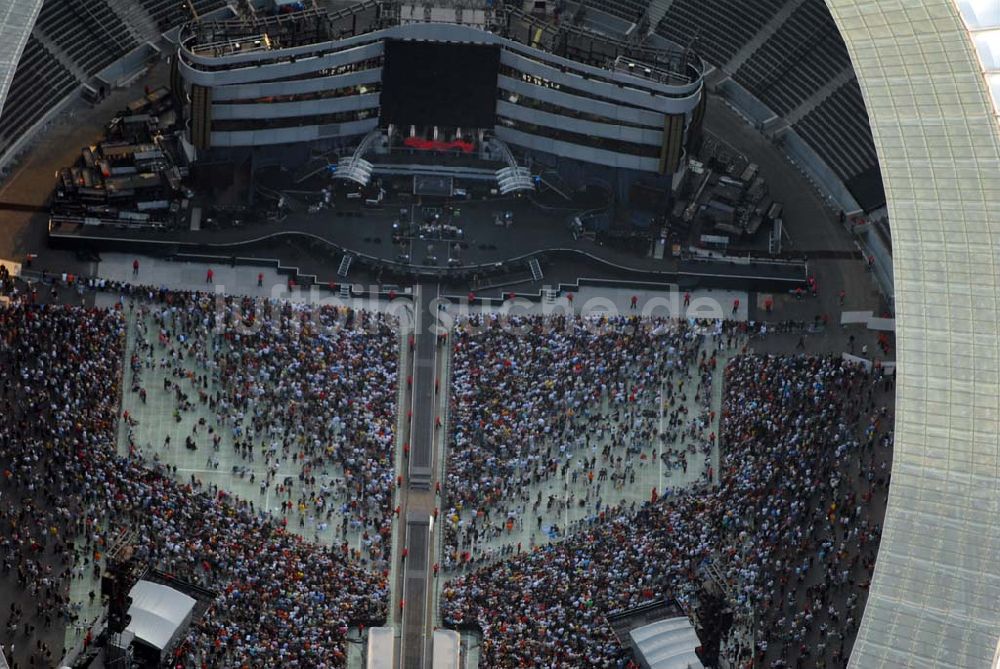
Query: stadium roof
(17, 17)
(935, 596)
(982, 19)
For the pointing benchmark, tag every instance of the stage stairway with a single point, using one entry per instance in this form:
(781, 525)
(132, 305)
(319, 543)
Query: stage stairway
(513, 178)
(536, 269)
(345, 265)
(354, 167)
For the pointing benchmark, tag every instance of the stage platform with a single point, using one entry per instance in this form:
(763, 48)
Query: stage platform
(499, 238)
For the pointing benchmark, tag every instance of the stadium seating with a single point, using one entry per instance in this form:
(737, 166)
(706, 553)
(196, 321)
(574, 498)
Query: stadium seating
(88, 32)
(170, 13)
(39, 83)
(803, 55)
(630, 10)
(721, 27)
(797, 60)
(839, 132)
(91, 36)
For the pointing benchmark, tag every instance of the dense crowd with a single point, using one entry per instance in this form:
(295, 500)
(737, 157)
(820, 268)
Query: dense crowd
(281, 601)
(306, 390)
(572, 399)
(785, 532)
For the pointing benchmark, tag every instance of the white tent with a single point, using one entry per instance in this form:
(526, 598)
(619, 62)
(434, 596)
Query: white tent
(667, 644)
(159, 614)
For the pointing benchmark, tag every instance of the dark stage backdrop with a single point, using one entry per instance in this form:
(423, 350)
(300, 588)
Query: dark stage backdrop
(448, 85)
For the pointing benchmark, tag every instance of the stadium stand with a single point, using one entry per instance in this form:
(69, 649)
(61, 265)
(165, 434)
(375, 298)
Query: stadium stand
(838, 130)
(170, 13)
(88, 35)
(721, 27)
(88, 32)
(39, 83)
(791, 66)
(630, 10)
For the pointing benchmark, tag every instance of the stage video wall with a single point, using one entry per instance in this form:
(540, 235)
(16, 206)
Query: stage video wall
(447, 85)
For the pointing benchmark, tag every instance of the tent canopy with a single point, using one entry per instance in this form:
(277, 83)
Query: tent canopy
(668, 644)
(158, 613)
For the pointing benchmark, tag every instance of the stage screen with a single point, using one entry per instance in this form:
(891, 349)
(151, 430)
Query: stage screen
(433, 83)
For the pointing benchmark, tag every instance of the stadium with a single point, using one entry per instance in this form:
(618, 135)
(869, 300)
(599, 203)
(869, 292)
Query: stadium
(620, 333)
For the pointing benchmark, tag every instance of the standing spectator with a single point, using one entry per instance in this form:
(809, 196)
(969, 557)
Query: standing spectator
(281, 601)
(784, 528)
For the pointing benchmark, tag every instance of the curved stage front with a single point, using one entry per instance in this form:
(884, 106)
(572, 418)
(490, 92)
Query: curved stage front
(488, 253)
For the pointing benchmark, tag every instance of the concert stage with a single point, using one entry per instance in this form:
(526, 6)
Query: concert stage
(479, 243)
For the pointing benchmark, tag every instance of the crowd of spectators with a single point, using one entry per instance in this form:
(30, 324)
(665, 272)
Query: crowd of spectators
(286, 387)
(785, 533)
(574, 399)
(783, 528)
(281, 601)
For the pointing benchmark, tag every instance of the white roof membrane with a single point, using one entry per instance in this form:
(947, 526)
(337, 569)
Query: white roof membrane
(935, 596)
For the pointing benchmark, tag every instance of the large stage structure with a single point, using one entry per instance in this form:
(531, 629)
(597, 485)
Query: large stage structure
(493, 84)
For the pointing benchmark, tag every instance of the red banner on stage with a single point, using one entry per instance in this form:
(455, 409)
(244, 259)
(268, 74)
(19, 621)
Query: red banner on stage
(435, 145)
